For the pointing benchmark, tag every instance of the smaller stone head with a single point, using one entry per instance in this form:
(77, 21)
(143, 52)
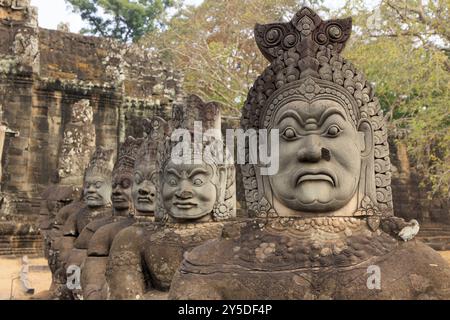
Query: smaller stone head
(190, 191)
(145, 168)
(122, 177)
(201, 186)
(97, 179)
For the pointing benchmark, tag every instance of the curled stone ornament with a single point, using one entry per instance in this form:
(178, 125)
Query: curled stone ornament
(290, 41)
(273, 36)
(334, 31)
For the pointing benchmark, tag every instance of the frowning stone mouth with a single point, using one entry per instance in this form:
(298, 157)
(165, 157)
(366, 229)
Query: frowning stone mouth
(304, 176)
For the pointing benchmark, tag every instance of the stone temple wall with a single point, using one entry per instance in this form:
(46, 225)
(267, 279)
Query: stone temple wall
(411, 200)
(43, 74)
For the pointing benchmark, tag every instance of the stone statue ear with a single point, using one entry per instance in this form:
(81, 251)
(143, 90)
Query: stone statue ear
(220, 209)
(367, 186)
(365, 137)
(222, 183)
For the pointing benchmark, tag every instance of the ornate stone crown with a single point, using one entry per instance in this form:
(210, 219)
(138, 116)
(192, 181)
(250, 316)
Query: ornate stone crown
(305, 65)
(156, 131)
(184, 116)
(304, 33)
(101, 163)
(193, 109)
(127, 156)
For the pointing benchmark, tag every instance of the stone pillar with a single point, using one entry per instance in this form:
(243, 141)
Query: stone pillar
(78, 145)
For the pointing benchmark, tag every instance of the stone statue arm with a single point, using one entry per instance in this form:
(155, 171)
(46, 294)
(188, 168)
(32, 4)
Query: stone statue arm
(101, 241)
(65, 212)
(93, 278)
(195, 287)
(125, 273)
(70, 228)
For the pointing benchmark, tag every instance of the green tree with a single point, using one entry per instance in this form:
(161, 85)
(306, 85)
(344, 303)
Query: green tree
(125, 20)
(403, 47)
(213, 44)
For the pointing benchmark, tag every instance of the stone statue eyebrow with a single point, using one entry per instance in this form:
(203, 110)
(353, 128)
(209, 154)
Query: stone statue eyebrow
(291, 114)
(197, 171)
(174, 172)
(329, 112)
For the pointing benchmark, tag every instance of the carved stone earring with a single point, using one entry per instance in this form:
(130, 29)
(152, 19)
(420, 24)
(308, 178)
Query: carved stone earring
(221, 211)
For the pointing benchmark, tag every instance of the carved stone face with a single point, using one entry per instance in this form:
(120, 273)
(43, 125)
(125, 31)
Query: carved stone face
(121, 192)
(320, 156)
(189, 191)
(96, 191)
(144, 190)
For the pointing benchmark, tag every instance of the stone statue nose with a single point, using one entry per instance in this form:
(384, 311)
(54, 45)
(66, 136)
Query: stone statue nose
(311, 150)
(184, 190)
(184, 195)
(147, 190)
(117, 190)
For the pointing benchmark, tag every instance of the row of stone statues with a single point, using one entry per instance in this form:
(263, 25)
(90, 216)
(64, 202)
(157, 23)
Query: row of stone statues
(157, 228)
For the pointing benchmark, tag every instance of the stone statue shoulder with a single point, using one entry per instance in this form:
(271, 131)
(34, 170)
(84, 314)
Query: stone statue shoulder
(70, 226)
(87, 215)
(130, 238)
(64, 213)
(101, 241)
(86, 234)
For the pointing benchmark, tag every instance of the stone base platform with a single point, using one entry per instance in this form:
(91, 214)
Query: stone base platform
(20, 239)
(435, 235)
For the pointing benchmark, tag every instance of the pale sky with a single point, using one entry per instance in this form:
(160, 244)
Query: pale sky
(52, 12)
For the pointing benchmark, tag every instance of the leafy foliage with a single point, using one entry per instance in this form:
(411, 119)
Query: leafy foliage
(120, 19)
(403, 47)
(214, 45)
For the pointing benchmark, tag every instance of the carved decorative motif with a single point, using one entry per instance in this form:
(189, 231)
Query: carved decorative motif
(304, 34)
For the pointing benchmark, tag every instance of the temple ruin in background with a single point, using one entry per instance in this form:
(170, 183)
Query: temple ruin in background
(44, 74)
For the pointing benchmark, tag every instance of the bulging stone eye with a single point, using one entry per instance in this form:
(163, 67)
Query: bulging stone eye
(198, 182)
(138, 178)
(98, 184)
(334, 131)
(126, 184)
(173, 182)
(289, 134)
